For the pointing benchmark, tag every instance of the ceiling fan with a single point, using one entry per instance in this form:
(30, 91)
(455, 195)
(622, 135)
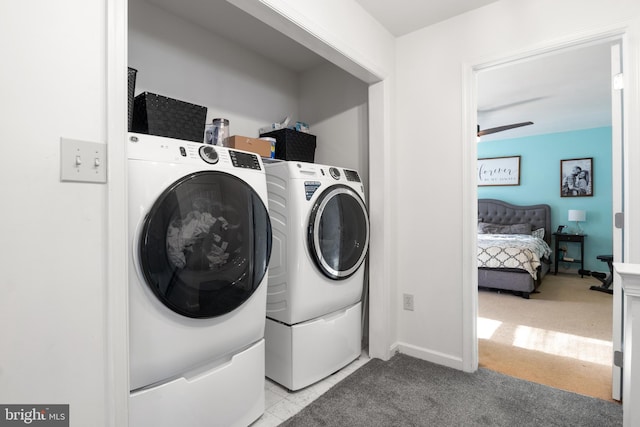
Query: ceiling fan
(501, 128)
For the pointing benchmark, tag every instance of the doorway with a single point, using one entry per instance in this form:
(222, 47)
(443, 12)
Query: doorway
(508, 111)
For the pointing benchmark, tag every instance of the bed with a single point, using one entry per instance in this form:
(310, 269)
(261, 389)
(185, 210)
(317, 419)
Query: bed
(513, 246)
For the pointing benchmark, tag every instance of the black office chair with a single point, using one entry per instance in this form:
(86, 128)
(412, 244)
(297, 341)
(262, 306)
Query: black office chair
(606, 279)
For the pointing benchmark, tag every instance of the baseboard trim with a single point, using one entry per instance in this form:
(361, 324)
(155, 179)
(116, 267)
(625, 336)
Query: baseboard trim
(430, 356)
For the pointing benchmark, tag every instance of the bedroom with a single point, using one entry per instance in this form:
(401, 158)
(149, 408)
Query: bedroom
(539, 151)
(567, 97)
(540, 158)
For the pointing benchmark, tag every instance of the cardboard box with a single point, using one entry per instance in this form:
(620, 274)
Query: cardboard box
(255, 145)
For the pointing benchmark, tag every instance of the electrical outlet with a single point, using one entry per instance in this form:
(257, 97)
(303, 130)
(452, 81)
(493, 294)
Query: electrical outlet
(407, 301)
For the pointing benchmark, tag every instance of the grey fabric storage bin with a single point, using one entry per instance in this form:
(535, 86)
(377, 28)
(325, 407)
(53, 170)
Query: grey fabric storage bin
(158, 115)
(293, 145)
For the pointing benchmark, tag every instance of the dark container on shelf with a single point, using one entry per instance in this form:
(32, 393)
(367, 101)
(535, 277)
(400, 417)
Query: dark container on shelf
(158, 115)
(293, 145)
(131, 77)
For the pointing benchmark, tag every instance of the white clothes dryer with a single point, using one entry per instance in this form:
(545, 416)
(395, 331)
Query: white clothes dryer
(316, 274)
(200, 240)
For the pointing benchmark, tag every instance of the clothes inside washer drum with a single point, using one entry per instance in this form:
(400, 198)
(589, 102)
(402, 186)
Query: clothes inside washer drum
(197, 241)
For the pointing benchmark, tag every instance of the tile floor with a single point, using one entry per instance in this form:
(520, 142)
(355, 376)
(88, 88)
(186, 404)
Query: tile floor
(281, 404)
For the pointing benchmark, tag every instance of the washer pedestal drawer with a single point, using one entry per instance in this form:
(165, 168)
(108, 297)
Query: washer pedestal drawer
(229, 394)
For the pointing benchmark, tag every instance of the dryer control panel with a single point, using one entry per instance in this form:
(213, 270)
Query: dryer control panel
(335, 173)
(352, 175)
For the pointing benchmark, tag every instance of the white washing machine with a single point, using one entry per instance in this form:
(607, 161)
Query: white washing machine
(200, 240)
(316, 274)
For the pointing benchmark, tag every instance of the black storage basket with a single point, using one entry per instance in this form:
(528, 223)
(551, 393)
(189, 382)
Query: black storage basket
(293, 145)
(132, 87)
(158, 115)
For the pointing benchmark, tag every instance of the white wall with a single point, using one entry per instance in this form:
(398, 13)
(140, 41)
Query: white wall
(177, 59)
(336, 103)
(52, 310)
(429, 113)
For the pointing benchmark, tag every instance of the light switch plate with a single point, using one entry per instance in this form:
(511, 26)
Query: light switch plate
(83, 161)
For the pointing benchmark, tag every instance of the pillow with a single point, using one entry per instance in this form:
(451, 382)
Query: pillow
(487, 228)
(539, 233)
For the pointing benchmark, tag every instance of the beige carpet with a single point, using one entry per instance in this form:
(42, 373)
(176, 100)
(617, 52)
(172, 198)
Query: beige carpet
(560, 337)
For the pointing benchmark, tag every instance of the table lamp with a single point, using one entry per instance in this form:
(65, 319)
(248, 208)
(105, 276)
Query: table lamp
(578, 216)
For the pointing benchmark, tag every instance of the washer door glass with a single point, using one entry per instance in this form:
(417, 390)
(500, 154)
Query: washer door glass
(338, 235)
(205, 244)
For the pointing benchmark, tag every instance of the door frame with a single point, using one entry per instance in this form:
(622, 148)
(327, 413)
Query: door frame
(470, 153)
(116, 407)
(617, 156)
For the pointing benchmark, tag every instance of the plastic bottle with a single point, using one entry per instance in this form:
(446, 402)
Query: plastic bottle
(273, 145)
(220, 131)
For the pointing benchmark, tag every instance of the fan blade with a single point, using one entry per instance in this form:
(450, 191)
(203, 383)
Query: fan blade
(503, 128)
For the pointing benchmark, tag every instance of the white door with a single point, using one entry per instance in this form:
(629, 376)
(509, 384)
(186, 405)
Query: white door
(617, 146)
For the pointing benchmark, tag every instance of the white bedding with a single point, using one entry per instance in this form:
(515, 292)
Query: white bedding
(518, 251)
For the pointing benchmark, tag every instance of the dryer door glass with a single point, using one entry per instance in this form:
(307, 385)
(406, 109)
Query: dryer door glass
(338, 234)
(205, 244)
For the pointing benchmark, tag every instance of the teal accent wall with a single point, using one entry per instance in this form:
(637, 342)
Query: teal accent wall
(540, 183)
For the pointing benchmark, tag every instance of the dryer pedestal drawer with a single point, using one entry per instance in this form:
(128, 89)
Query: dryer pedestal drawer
(302, 354)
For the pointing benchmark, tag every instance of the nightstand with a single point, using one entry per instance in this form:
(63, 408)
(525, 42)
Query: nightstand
(569, 238)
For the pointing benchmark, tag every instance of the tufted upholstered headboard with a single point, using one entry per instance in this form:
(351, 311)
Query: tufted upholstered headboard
(499, 212)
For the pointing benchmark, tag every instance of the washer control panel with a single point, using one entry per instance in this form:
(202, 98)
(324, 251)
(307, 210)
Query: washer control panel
(241, 159)
(162, 149)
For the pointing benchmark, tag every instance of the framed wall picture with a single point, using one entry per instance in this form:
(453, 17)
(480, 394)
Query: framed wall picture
(576, 177)
(499, 171)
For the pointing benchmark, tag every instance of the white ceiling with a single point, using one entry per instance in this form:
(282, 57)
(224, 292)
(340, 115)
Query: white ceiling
(402, 17)
(568, 90)
(560, 92)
